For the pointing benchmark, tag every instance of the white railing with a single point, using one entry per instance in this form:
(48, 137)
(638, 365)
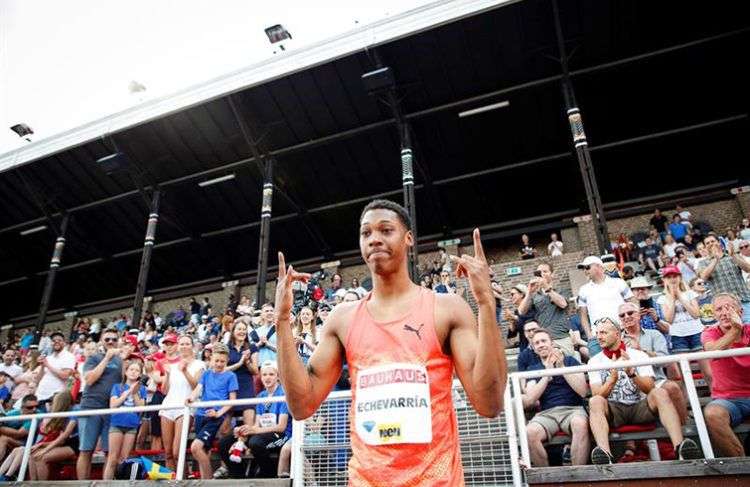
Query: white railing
(515, 412)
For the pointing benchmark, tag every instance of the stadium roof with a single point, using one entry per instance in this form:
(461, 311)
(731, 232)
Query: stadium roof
(662, 91)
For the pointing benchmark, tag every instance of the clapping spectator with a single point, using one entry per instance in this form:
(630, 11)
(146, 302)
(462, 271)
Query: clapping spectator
(305, 333)
(527, 250)
(243, 362)
(57, 367)
(723, 272)
(730, 240)
(555, 247)
(62, 447)
(26, 381)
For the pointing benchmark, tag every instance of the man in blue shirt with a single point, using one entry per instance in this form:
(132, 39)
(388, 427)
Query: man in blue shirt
(677, 228)
(560, 400)
(528, 357)
(13, 433)
(265, 335)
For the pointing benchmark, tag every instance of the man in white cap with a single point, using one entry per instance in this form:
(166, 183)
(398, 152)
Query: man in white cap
(652, 317)
(599, 298)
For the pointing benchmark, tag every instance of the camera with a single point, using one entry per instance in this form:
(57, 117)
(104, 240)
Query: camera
(538, 273)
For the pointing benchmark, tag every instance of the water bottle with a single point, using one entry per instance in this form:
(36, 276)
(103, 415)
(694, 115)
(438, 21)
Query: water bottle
(653, 450)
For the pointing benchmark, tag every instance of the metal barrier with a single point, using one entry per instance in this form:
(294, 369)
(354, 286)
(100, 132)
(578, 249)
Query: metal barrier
(321, 448)
(683, 359)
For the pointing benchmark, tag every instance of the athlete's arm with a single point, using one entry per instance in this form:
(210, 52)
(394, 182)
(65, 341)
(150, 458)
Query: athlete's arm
(478, 352)
(305, 387)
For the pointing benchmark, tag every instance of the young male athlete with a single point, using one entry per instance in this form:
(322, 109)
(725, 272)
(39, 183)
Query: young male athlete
(401, 343)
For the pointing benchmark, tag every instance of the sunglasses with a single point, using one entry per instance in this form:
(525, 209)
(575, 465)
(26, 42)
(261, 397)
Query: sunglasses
(29, 406)
(699, 283)
(627, 313)
(744, 246)
(110, 340)
(585, 267)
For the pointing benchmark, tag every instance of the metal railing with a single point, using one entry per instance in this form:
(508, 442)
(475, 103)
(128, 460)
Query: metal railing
(515, 411)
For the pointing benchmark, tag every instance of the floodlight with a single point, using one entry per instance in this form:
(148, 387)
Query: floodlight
(23, 131)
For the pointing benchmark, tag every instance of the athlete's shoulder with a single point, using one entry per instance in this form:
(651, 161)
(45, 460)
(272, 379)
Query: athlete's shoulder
(450, 302)
(341, 315)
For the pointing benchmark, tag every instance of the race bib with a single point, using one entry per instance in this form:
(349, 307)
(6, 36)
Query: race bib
(267, 420)
(393, 405)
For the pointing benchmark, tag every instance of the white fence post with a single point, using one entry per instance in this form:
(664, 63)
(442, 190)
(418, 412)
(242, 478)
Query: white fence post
(521, 420)
(27, 451)
(510, 424)
(700, 423)
(297, 470)
(183, 444)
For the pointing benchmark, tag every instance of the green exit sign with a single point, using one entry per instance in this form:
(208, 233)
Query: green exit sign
(513, 271)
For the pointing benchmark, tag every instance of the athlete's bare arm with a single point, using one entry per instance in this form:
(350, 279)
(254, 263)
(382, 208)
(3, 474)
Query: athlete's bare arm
(478, 352)
(305, 387)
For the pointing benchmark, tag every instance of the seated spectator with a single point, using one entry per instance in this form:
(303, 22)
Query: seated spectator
(330, 292)
(744, 248)
(609, 261)
(745, 229)
(548, 307)
(670, 246)
(723, 273)
(62, 447)
(515, 320)
(628, 396)
(527, 357)
(677, 229)
(628, 273)
(14, 433)
(684, 265)
(26, 382)
(9, 365)
(272, 428)
(650, 255)
(730, 389)
(689, 242)
(560, 401)
(245, 306)
(57, 368)
(527, 250)
(704, 298)
(216, 384)
(578, 337)
(445, 286)
(555, 247)
(651, 314)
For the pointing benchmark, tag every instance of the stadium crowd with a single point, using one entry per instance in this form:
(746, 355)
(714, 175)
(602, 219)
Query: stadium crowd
(204, 352)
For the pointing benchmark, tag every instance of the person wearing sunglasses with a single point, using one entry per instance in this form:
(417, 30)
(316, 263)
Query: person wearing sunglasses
(744, 249)
(704, 299)
(101, 371)
(722, 271)
(13, 433)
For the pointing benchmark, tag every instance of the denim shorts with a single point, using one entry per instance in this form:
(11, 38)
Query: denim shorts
(90, 429)
(739, 408)
(690, 343)
(122, 429)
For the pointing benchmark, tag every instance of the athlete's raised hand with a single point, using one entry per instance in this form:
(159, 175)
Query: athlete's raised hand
(284, 297)
(476, 270)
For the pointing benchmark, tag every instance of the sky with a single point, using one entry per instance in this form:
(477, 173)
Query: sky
(65, 63)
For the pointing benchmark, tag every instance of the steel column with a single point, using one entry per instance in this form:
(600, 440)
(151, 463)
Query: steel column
(580, 143)
(49, 284)
(265, 233)
(148, 248)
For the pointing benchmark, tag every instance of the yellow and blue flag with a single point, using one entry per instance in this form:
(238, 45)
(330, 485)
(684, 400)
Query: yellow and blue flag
(154, 471)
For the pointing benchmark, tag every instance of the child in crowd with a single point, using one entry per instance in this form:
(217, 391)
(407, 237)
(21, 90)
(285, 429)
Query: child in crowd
(216, 384)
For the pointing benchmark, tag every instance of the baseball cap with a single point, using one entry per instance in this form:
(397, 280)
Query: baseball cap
(132, 339)
(204, 317)
(156, 356)
(590, 260)
(640, 282)
(521, 288)
(671, 270)
(608, 258)
(169, 337)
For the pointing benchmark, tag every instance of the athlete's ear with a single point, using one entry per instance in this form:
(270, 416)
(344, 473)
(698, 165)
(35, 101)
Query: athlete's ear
(409, 238)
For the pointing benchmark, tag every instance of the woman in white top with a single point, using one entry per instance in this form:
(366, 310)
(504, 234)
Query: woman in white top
(181, 378)
(680, 307)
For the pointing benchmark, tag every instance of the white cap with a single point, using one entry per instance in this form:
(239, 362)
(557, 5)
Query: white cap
(590, 260)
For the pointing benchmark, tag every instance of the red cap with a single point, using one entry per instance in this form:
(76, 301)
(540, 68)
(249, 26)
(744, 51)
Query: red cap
(132, 339)
(156, 356)
(671, 270)
(133, 355)
(169, 337)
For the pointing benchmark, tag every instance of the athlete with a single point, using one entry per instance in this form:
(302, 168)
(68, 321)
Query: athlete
(401, 343)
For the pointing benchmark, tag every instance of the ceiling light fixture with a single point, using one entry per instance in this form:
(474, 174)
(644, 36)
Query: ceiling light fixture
(221, 179)
(34, 230)
(486, 108)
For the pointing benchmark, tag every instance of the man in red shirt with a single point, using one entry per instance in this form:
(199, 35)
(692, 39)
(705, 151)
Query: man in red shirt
(730, 388)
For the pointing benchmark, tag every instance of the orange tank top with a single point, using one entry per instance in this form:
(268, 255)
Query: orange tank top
(403, 425)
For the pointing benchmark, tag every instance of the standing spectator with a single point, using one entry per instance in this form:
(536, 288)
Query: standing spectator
(744, 249)
(335, 286)
(101, 372)
(705, 301)
(362, 291)
(206, 307)
(181, 379)
(27, 339)
(683, 264)
(216, 384)
(264, 336)
(195, 310)
(26, 381)
(677, 229)
(243, 362)
(731, 240)
(685, 216)
(650, 255)
(305, 333)
(555, 247)
(245, 306)
(670, 246)
(659, 223)
(57, 369)
(560, 404)
(124, 426)
(730, 389)
(723, 272)
(628, 396)
(548, 307)
(9, 365)
(745, 229)
(599, 298)
(527, 250)
(445, 286)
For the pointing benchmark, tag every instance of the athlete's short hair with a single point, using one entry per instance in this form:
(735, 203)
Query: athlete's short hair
(399, 210)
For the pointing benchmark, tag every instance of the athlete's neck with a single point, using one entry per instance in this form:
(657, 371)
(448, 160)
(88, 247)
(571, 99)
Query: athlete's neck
(391, 285)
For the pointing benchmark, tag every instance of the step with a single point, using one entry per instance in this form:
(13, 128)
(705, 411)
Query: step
(153, 483)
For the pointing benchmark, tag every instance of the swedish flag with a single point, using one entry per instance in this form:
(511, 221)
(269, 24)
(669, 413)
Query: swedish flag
(154, 471)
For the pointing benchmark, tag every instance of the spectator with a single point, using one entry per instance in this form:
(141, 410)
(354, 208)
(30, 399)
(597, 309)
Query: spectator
(26, 382)
(9, 365)
(271, 429)
(744, 249)
(731, 240)
(683, 264)
(264, 336)
(689, 242)
(527, 250)
(705, 301)
(243, 362)
(659, 223)
(560, 404)
(599, 298)
(650, 255)
(335, 286)
(651, 316)
(670, 246)
(101, 371)
(628, 273)
(245, 307)
(628, 396)
(305, 333)
(685, 215)
(124, 426)
(730, 389)
(745, 229)
(206, 307)
(578, 337)
(527, 357)
(57, 369)
(14, 433)
(351, 295)
(323, 311)
(216, 384)
(653, 344)
(445, 286)
(723, 272)
(677, 229)
(515, 320)
(548, 307)
(64, 446)
(555, 247)
(181, 378)
(195, 310)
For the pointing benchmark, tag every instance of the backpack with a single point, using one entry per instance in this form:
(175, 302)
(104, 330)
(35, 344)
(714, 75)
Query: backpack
(130, 469)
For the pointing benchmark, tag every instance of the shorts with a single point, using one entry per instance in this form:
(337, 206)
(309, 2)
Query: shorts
(558, 418)
(172, 414)
(90, 429)
(123, 429)
(206, 429)
(639, 413)
(566, 345)
(73, 444)
(153, 416)
(690, 343)
(739, 408)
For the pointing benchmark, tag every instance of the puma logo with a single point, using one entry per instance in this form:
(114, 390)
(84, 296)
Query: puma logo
(409, 328)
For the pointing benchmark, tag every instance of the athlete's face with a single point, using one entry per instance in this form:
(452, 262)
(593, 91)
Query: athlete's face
(383, 241)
